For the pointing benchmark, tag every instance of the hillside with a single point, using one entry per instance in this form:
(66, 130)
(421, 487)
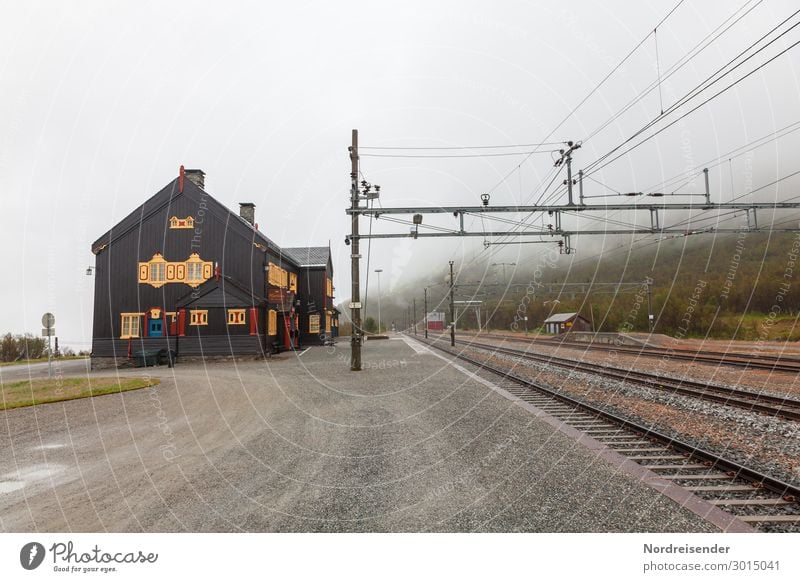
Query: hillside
(742, 286)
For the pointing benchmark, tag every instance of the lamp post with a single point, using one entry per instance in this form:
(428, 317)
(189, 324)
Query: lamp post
(426, 313)
(379, 271)
(452, 309)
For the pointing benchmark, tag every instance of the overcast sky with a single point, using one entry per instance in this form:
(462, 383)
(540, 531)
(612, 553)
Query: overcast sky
(101, 102)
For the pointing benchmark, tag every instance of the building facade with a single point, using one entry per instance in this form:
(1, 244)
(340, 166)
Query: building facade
(182, 272)
(565, 322)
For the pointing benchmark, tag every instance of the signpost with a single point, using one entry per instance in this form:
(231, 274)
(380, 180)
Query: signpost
(48, 331)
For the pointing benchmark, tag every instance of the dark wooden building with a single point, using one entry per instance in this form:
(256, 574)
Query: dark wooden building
(185, 273)
(319, 318)
(564, 322)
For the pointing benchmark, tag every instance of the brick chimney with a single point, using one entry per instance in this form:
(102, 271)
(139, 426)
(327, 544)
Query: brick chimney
(198, 177)
(247, 210)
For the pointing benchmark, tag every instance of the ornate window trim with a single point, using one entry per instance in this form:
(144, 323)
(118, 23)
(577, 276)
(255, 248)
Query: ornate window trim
(276, 276)
(158, 272)
(180, 223)
(198, 317)
(236, 316)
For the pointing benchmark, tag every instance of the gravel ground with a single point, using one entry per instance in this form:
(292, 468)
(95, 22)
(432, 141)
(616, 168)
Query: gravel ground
(784, 384)
(409, 444)
(756, 440)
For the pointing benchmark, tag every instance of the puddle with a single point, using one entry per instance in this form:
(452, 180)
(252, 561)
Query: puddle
(27, 476)
(49, 447)
(9, 486)
(32, 473)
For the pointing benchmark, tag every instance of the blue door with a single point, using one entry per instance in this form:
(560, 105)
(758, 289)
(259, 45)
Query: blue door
(156, 328)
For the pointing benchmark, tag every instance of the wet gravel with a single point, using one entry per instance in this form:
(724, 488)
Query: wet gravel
(766, 444)
(758, 380)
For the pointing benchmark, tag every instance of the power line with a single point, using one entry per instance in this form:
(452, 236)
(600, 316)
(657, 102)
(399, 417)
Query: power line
(591, 168)
(594, 90)
(707, 83)
(615, 69)
(480, 147)
(678, 65)
(490, 155)
(728, 156)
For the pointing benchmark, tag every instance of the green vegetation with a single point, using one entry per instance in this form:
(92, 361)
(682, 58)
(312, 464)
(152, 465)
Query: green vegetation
(27, 348)
(737, 286)
(370, 326)
(31, 392)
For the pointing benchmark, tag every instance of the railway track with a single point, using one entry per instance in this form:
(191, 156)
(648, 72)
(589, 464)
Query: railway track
(757, 402)
(739, 360)
(756, 498)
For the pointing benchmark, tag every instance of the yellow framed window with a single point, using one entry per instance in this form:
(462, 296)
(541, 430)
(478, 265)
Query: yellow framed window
(313, 323)
(293, 282)
(329, 287)
(129, 325)
(236, 316)
(194, 271)
(158, 271)
(276, 276)
(272, 322)
(198, 317)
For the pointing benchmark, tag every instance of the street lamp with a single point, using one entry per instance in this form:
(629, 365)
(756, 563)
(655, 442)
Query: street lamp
(379, 271)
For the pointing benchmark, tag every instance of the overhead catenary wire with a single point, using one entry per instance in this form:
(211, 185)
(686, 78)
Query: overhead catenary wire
(595, 89)
(434, 156)
(704, 85)
(596, 165)
(678, 65)
(728, 156)
(658, 71)
(478, 147)
(558, 191)
(573, 111)
(547, 190)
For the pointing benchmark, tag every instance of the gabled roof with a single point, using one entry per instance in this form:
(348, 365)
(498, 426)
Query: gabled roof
(166, 196)
(224, 292)
(309, 256)
(561, 317)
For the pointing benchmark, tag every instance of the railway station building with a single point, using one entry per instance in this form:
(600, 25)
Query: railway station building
(184, 273)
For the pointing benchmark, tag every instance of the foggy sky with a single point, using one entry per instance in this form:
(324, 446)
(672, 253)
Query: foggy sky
(100, 103)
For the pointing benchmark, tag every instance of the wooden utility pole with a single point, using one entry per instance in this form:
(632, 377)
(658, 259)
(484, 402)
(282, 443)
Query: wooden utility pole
(355, 301)
(452, 309)
(426, 313)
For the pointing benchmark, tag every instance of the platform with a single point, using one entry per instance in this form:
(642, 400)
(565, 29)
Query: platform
(300, 443)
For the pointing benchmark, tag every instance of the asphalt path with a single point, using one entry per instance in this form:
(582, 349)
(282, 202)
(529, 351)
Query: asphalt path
(303, 444)
(39, 370)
